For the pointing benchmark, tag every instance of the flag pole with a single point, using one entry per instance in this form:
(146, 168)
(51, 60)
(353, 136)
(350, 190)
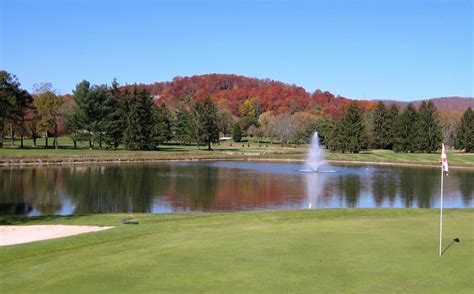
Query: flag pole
(441, 215)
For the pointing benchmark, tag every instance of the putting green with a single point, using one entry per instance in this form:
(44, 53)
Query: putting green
(325, 251)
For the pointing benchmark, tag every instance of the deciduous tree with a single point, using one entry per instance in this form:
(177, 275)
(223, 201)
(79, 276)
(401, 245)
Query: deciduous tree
(49, 107)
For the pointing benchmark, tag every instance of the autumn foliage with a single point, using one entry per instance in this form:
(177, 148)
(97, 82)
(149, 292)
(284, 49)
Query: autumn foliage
(231, 91)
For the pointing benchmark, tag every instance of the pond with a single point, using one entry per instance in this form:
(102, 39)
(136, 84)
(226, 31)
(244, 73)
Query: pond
(223, 186)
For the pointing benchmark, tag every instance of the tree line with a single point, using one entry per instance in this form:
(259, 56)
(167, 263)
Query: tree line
(384, 127)
(131, 117)
(113, 116)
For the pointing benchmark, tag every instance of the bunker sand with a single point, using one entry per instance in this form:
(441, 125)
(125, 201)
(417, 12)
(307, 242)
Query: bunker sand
(10, 235)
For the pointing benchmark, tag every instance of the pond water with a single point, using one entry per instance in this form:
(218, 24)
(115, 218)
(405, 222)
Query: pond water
(223, 186)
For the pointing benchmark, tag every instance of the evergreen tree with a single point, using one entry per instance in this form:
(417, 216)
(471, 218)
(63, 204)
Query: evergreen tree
(237, 133)
(384, 126)
(100, 106)
(334, 136)
(137, 134)
(207, 123)
(9, 88)
(404, 130)
(428, 128)
(465, 132)
(161, 130)
(182, 131)
(23, 103)
(380, 126)
(391, 121)
(79, 120)
(115, 120)
(353, 136)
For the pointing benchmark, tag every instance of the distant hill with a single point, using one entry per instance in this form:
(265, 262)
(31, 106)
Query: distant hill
(455, 104)
(229, 91)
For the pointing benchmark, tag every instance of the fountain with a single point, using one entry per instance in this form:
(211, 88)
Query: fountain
(316, 154)
(314, 179)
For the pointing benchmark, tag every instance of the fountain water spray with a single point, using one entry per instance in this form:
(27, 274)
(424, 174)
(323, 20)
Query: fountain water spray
(316, 154)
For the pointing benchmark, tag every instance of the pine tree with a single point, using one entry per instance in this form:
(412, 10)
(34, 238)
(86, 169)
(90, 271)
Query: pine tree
(137, 134)
(334, 139)
(100, 103)
(428, 128)
(78, 120)
(383, 125)
(380, 126)
(161, 130)
(181, 126)
(237, 133)
(115, 120)
(9, 88)
(404, 130)
(465, 132)
(391, 120)
(207, 122)
(353, 136)
(23, 103)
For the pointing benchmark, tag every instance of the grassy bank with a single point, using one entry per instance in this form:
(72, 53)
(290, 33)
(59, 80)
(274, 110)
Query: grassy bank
(325, 251)
(248, 150)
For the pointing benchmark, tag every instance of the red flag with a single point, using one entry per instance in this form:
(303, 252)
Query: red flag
(444, 159)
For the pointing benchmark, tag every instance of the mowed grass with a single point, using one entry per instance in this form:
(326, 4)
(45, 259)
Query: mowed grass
(455, 158)
(306, 251)
(248, 149)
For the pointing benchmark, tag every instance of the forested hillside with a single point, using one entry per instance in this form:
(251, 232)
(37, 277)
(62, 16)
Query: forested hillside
(444, 104)
(229, 91)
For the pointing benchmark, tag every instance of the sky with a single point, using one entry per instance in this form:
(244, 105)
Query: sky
(386, 49)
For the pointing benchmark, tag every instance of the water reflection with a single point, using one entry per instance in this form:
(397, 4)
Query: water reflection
(315, 184)
(221, 186)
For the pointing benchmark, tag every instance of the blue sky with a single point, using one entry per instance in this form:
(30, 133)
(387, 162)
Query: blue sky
(375, 49)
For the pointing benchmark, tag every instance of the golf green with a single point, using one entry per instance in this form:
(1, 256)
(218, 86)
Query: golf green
(309, 251)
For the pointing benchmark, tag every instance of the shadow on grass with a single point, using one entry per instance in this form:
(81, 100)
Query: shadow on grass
(23, 219)
(450, 244)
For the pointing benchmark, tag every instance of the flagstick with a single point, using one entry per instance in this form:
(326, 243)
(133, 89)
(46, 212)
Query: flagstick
(441, 215)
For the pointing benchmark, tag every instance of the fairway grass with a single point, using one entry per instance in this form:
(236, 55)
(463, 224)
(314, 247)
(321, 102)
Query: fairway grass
(310, 251)
(248, 150)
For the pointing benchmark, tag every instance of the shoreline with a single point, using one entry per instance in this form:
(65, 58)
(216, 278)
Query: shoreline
(35, 161)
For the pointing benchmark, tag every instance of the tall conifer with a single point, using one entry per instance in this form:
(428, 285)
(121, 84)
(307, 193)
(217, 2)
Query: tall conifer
(137, 134)
(465, 132)
(404, 131)
(181, 126)
(428, 128)
(161, 130)
(207, 122)
(353, 136)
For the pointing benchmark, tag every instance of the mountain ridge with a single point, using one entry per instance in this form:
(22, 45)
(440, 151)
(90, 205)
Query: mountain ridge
(230, 90)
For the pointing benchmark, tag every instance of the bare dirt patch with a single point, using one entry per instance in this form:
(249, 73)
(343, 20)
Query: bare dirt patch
(10, 235)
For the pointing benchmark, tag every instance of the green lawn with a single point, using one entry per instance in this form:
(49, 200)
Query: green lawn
(249, 149)
(455, 158)
(310, 251)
